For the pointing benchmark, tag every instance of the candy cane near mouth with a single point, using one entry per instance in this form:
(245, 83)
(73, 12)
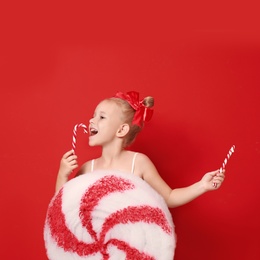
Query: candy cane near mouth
(74, 137)
(230, 152)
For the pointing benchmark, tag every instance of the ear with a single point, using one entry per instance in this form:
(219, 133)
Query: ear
(123, 130)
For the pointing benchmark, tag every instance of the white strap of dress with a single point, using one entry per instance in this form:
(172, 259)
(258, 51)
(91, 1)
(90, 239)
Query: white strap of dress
(133, 163)
(92, 165)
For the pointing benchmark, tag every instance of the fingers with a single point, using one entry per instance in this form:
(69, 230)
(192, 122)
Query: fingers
(218, 178)
(213, 173)
(67, 154)
(73, 166)
(69, 161)
(72, 158)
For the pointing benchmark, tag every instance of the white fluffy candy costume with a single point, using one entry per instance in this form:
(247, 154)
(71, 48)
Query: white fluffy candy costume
(107, 215)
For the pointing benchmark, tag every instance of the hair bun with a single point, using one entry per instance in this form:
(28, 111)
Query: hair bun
(148, 101)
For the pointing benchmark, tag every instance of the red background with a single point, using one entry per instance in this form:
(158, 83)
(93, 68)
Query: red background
(201, 64)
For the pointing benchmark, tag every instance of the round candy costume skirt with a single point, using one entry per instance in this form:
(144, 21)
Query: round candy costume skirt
(108, 215)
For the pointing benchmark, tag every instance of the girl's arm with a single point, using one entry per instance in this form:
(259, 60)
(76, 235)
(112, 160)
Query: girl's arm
(67, 164)
(182, 196)
(179, 196)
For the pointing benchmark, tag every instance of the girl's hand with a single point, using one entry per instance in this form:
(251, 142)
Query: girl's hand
(68, 163)
(213, 180)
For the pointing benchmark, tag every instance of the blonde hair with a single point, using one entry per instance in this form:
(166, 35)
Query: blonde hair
(129, 113)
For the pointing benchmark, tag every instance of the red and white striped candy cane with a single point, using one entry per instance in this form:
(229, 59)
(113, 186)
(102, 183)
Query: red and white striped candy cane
(230, 152)
(74, 137)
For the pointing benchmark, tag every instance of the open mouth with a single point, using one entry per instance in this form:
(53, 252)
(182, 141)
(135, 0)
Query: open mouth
(93, 131)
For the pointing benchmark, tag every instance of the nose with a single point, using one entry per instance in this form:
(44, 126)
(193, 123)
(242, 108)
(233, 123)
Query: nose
(91, 120)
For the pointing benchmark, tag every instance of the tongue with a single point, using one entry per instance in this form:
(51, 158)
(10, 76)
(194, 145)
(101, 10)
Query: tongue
(94, 132)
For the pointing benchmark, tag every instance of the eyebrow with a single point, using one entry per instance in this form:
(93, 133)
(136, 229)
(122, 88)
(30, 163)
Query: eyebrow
(100, 112)
(95, 112)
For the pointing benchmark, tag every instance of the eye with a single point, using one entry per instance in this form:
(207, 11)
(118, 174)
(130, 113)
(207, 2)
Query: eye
(102, 117)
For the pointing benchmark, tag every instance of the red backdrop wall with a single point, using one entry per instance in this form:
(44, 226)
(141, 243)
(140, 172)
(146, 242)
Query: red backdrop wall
(58, 62)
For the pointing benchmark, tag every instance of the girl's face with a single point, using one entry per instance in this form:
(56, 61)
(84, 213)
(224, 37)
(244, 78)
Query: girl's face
(106, 121)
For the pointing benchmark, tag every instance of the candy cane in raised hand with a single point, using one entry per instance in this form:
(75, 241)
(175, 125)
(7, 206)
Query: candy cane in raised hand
(230, 152)
(74, 137)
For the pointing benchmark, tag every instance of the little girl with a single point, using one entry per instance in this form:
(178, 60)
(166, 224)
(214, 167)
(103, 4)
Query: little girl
(114, 126)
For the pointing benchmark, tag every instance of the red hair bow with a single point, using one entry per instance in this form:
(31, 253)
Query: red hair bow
(142, 113)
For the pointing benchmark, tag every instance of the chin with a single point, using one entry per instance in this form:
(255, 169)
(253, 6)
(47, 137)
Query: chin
(93, 143)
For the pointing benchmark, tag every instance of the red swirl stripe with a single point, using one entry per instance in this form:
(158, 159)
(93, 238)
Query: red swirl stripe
(101, 188)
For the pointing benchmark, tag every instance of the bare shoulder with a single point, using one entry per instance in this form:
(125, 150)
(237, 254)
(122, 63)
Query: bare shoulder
(143, 158)
(144, 165)
(140, 157)
(149, 173)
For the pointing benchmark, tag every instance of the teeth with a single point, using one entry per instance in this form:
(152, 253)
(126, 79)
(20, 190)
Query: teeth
(93, 131)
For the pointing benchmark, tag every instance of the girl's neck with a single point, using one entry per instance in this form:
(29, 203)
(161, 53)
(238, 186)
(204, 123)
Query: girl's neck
(111, 153)
(110, 159)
